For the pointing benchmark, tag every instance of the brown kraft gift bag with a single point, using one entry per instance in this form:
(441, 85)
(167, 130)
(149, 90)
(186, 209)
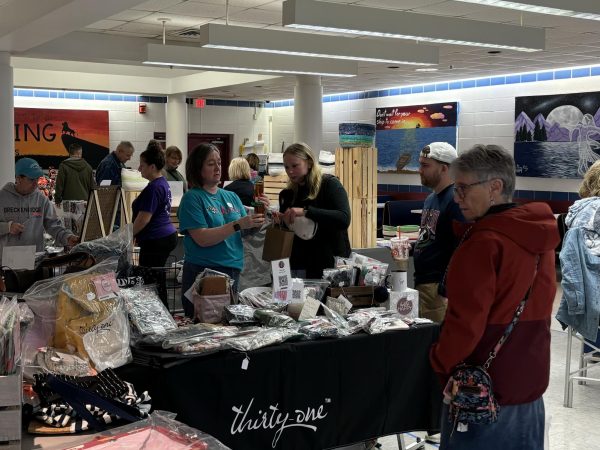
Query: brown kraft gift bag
(278, 243)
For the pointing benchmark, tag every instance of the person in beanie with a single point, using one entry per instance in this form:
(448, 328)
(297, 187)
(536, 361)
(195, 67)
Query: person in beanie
(25, 213)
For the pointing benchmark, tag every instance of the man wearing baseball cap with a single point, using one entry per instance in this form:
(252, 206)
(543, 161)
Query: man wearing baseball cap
(25, 212)
(436, 240)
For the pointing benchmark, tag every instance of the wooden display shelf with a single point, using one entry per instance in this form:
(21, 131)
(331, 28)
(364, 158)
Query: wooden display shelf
(273, 186)
(357, 170)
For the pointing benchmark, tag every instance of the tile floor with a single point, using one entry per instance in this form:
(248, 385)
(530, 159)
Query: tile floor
(570, 428)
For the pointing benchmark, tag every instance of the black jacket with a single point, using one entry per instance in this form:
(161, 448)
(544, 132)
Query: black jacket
(331, 211)
(244, 189)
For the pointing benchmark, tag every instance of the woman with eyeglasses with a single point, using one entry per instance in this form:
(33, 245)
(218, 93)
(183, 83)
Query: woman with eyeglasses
(504, 260)
(211, 220)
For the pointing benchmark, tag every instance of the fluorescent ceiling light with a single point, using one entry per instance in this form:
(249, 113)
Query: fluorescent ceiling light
(231, 37)
(321, 16)
(232, 61)
(580, 9)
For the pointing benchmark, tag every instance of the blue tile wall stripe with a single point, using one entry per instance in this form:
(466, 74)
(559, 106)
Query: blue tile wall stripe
(403, 90)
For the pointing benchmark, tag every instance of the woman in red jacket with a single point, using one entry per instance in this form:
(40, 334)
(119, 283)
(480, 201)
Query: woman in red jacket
(488, 276)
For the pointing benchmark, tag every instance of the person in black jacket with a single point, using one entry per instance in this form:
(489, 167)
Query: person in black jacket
(239, 174)
(323, 200)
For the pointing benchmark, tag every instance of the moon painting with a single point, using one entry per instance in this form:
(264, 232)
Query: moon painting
(557, 136)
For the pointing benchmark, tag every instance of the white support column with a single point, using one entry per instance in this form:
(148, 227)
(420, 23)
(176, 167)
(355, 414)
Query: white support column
(7, 121)
(177, 125)
(308, 112)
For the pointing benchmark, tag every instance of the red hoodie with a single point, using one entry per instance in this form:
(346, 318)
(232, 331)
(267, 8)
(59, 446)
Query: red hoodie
(487, 278)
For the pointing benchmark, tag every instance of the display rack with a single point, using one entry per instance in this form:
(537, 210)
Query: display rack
(356, 168)
(100, 212)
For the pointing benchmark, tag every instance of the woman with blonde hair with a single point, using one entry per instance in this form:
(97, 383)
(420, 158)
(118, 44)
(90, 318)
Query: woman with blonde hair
(580, 259)
(239, 174)
(316, 207)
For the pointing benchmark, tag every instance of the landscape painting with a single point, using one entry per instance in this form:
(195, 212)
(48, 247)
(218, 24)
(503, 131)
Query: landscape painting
(557, 136)
(46, 134)
(403, 131)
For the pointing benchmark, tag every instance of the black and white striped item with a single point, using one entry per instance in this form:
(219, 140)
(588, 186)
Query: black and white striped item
(81, 403)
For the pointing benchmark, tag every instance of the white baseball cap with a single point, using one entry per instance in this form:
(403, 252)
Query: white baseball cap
(440, 151)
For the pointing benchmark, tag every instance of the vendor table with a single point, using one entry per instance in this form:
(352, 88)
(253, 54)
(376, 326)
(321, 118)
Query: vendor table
(302, 395)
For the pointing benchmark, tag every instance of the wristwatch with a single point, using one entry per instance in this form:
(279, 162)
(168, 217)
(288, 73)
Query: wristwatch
(236, 226)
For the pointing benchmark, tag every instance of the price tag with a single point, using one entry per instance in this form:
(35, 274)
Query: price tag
(245, 363)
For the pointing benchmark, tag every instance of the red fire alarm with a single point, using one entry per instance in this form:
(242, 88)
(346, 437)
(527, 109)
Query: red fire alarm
(142, 108)
(199, 103)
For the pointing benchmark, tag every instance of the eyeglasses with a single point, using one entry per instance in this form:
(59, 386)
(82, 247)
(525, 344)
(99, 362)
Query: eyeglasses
(461, 189)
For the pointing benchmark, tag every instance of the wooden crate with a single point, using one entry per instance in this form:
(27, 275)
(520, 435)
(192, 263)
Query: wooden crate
(10, 410)
(357, 170)
(273, 186)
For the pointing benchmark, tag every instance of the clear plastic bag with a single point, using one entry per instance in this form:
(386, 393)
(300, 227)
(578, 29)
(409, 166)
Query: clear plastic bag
(146, 311)
(319, 328)
(10, 342)
(117, 244)
(262, 338)
(65, 309)
(159, 431)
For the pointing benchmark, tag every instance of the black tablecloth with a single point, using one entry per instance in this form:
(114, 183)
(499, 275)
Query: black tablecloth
(303, 395)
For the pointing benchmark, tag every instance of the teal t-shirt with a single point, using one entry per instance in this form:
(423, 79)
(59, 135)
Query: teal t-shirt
(201, 209)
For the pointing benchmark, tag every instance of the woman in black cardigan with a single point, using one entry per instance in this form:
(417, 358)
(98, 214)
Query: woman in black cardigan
(320, 198)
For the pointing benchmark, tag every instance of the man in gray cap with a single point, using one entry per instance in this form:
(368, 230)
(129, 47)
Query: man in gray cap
(436, 240)
(25, 212)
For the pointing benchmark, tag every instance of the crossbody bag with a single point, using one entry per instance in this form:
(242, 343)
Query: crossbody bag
(469, 391)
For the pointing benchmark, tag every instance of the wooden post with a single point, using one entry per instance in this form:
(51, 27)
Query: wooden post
(357, 170)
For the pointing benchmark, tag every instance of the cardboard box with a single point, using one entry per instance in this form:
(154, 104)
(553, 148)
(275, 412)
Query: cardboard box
(214, 286)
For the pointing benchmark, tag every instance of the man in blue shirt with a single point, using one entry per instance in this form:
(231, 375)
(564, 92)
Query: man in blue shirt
(110, 167)
(436, 241)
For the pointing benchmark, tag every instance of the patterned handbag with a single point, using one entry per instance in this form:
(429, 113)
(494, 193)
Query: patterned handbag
(469, 391)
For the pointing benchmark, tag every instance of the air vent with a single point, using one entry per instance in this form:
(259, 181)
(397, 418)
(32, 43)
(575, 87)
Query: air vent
(191, 33)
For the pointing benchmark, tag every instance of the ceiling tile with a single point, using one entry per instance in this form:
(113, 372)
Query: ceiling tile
(157, 5)
(175, 20)
(106, 24)
(201, 9)
(129, 15)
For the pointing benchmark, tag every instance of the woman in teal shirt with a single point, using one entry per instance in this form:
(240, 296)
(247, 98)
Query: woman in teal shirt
(211, 219)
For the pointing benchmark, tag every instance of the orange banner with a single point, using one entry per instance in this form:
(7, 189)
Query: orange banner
(46, 134)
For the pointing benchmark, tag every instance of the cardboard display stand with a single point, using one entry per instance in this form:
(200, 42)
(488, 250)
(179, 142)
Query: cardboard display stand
(101, 212)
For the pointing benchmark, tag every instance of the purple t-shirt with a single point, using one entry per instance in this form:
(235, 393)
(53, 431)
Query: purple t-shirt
(155, 199)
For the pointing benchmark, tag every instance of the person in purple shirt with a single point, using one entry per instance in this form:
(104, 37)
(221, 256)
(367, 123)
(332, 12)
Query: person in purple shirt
(152, 227)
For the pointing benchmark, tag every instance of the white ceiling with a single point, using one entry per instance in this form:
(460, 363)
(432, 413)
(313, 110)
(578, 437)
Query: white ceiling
(54, 41)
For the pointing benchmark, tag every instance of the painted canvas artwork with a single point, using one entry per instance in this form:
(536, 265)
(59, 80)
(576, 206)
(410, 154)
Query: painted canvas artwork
(557, 136)
(46, 134)
(402, 131)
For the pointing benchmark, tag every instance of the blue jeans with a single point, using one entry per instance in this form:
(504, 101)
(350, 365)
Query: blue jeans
(191, 271)
(519, 427)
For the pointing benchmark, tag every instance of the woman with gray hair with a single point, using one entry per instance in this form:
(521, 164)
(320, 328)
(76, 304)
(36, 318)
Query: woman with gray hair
(504, 262)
